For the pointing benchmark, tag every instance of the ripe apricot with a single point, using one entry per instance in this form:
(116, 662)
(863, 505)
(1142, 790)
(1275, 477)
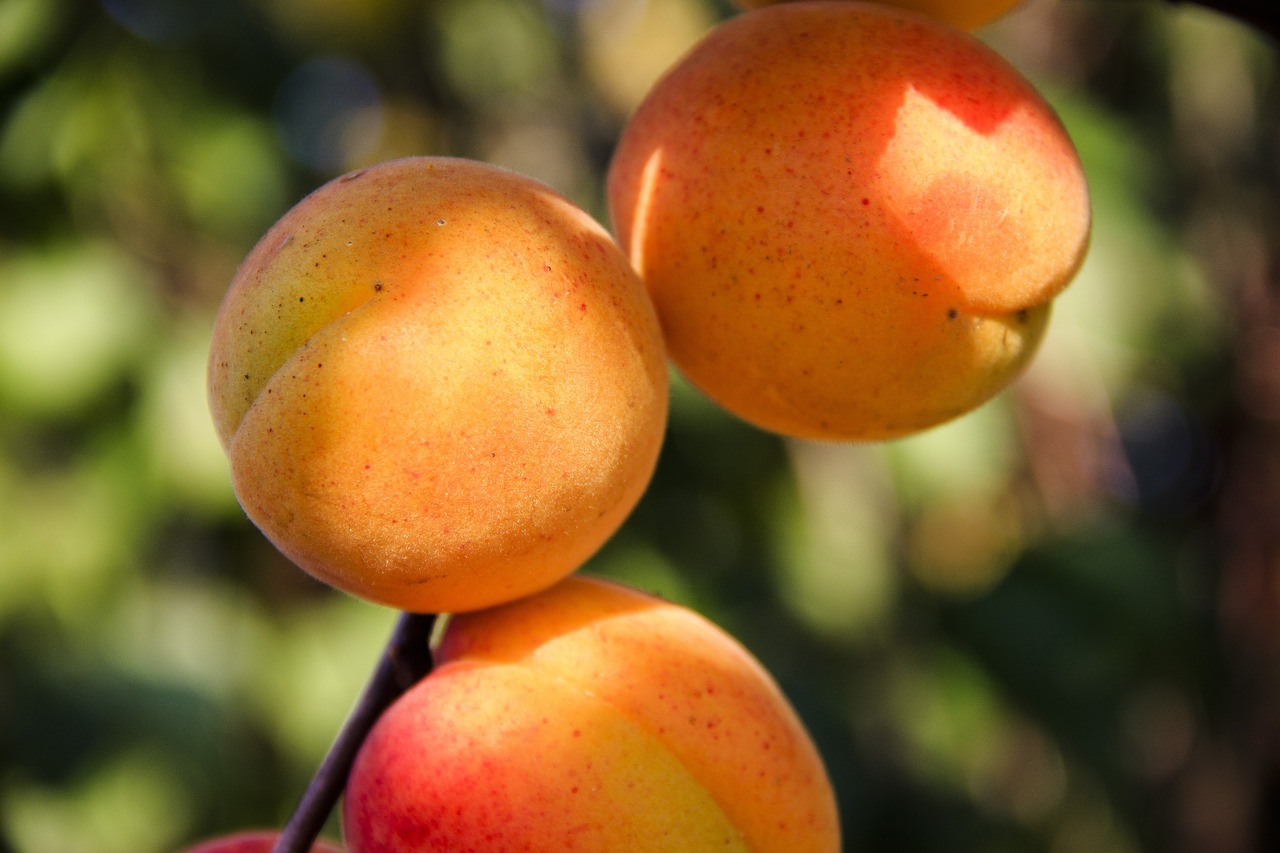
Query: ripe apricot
(852, 219)
(590, 717)
(966, 14)
(439, 383)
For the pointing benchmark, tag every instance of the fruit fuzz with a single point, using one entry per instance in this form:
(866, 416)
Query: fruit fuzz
(439, 383)
(852, 218)
(590, 717)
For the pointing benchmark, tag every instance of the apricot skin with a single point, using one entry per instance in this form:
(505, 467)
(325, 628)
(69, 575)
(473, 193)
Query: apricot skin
(253, 841)
(965, 14)
(439, 384)
(852, 219)
(590, 717)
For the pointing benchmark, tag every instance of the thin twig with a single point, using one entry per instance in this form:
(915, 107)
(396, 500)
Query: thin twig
(405, 661)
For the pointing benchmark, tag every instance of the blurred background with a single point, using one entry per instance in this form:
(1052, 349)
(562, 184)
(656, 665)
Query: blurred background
(1053, 625)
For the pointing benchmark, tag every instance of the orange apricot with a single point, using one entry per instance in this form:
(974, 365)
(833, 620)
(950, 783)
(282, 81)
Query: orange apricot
(440, 384)
(590, 717)
(852, 219)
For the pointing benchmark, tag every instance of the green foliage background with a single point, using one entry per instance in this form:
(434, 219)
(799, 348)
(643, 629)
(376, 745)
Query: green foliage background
(1049, 626)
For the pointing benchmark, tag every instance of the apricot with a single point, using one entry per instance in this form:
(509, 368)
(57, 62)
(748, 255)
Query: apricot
(590, 717)
(852, 219)
(966, 14)
(252, 841)
(440, 384)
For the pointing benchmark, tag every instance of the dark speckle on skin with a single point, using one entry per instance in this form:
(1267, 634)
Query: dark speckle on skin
(952, 313)
(377, 285)
(1022, 315)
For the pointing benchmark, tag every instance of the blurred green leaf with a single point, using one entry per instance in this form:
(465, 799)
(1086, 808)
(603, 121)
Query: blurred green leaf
(26, 27)
(73, 320)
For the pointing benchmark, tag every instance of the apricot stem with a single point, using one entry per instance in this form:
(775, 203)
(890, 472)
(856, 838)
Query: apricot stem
(405, 661)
